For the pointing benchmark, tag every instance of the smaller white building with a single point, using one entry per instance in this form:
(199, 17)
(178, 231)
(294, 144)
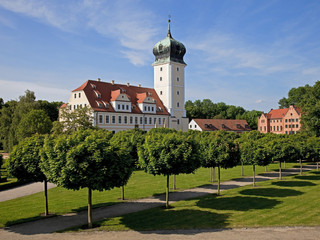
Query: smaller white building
(233, 125)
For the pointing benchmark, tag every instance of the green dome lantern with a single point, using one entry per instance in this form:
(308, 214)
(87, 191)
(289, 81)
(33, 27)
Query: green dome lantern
(169, 50)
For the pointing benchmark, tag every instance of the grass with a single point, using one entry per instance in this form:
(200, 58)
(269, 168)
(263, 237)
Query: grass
(140, 185)
(293, 201)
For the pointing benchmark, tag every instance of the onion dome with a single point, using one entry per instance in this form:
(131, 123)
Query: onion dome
(169, 50)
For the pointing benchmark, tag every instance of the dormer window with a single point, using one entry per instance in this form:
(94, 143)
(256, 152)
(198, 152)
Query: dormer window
(160, 48)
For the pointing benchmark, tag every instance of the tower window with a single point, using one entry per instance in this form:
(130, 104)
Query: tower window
(160, 92)
(178, 69)
(161, 69)
(178, 121)
(160, 78)
(178, 79)
(178, 104)
(79, 95)
(178, 92)
(75, 95)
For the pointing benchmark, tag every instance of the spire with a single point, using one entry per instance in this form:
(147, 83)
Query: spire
(169, 32)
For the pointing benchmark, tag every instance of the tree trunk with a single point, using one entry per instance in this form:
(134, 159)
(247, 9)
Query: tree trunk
(218, 181)
(89, 208)
(254, 175)
(122, 192)
(167, 193)
(46, 211)
(300, 166)
(284, 164)
(174, 182)
(211, 170)
(280, 174)
(266, 168)
(317, 166)
(241, 168)
(212, 174)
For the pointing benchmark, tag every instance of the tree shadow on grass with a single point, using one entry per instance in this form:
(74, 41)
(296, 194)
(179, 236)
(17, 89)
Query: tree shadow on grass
(161, 219)
(237, 203)
(293, 184)
(271, 192)
(308, 177)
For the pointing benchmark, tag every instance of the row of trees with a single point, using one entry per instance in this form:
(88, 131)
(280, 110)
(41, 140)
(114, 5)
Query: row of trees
(206, 109)
(99, 160)
(25, 117)
(308, 99)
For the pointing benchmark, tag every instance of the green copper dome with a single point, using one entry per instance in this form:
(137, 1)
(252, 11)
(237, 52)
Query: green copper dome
(169, 50)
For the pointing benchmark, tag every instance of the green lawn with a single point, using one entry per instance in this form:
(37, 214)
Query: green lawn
(140, 185)
(293, 201)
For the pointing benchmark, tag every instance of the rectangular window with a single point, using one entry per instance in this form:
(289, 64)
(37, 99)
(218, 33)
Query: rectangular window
(265, 128)
(286, 132)
(163, 121)
(178, 104)
(160, 92)
(159, 121)
(154, 121)
(149, 109)
(286, 125)
(152, 109)
(270, 129)
(113, 119)
(178, 93)
(160, 78)
(161, 69)
(297, 120)
(107, 119)
(141, 120)
(286, 120)
(145, 120)
(127, 107)
(75, 95)
(150, 121)
(297, 126)
(191, 126)
(131, 120)
(136, 120)
(100, 119)
(119, 107)
(119, 119)
(280, 128)
(178, 79)
(125, 119)
(177, 69)
(145, 108)
(122, 107)
(79, 95)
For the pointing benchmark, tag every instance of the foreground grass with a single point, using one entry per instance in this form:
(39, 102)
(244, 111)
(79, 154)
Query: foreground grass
(293, 201)
(140, 185)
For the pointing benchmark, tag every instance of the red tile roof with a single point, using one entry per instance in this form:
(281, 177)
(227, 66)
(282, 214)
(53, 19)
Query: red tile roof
(280, 113)
(109, 92)
(236, 125)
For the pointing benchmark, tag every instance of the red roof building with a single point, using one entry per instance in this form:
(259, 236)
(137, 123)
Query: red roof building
(233, 125)
(280, 121)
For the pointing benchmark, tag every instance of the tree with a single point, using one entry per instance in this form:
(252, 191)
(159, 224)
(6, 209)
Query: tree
(86, 159)
(73, 120)
(227, 149)
(208, 152)
(129, 141)
(168, 154)
(255, 153)
(313, 144)
(34, 122)
(24, 163)
(281, 149)
(51, 109)
(1, 162)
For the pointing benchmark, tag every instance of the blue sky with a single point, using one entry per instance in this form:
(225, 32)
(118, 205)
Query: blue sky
(241, 52)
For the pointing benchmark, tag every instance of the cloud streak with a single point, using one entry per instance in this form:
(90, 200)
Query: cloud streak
(126, 21)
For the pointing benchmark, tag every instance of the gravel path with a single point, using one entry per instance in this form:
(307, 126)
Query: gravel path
(50, 225)
(24, 190)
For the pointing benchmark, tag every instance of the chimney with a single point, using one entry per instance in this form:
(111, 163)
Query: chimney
(128, 84)
(98, 79)
(112, 82)
(139, 85)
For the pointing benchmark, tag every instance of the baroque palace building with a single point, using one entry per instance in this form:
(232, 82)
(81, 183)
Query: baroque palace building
(118, 107)
(280, 121)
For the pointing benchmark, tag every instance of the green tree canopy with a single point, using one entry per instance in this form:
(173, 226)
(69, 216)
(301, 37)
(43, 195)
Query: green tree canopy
(168, 154)
(86, 159)
(34, 122)
(24, 162)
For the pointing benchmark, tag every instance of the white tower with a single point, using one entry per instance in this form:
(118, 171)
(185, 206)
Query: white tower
(169, 79)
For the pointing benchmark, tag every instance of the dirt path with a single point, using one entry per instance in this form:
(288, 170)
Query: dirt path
(285, 233)
(50, 225)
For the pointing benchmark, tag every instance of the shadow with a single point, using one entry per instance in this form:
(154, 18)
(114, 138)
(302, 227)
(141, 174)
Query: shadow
(271, 192)
(270, 174)
(293, 184)
(73, 220)
(237, 203)
(94, 206)
(308, 177)
(316, 172)
(172, 219)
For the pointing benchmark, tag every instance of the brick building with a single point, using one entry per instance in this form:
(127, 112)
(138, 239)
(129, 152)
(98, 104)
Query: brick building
(280, 121)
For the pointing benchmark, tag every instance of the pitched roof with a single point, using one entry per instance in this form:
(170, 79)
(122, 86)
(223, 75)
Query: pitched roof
(110, 91)
(280, 113)
(236, 125)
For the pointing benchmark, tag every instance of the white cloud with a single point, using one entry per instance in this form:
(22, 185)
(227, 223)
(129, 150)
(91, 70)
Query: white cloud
(312, 71)
(8, 89)
(125, 21)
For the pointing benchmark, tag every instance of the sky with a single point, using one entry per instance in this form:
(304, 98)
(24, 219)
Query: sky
(246, 53)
